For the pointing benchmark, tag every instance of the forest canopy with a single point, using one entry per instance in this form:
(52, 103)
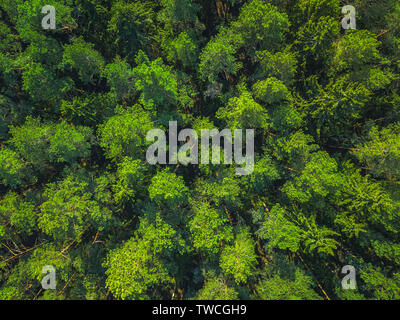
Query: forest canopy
(77, 192)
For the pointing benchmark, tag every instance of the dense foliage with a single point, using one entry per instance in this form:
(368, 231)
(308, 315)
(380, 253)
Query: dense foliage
(77, 193)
